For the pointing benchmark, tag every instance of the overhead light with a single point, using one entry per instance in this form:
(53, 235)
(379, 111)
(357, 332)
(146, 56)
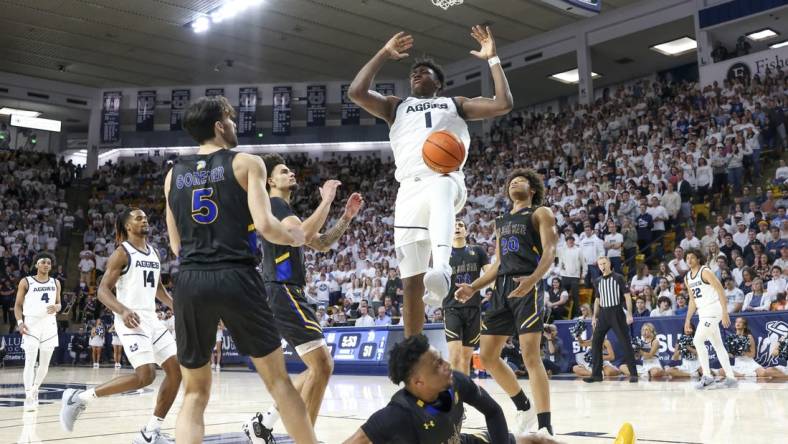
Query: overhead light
(779, 45)
(571, 77)
(35, 123)
(201, 24)
(763, 34)
(224, 12)
(676, 47)
(19, 112)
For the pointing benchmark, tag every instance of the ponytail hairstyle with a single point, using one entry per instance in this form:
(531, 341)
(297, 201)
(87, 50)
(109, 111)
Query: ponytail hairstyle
(120, 224)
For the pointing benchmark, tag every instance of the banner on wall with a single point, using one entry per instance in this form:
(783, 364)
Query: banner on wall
(247, 111)
(385, 89)
(110, 117)
(282, 114)
(351, 113)
(212, 92)
(146, 107)
(178, 105)
(766, 328)
(747, 66)
(316, 105)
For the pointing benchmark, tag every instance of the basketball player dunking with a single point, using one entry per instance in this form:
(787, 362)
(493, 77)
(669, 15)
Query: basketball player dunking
(525, 249)
(133, 272)
(284, 274)
(216, 199)
(37, 304)
(426, 200)
(463, 320)
(708, 297)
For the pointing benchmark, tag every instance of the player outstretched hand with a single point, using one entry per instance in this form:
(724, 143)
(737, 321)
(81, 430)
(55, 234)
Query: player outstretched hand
(51, 309)
(130, 319)
(483, 35)
(464, 292)
(23, 330)
(726, 319)
(353, 205)
(396, 46)
(329, 190)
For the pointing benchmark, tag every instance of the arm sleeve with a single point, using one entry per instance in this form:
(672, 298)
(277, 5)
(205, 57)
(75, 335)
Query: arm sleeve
(478, 398)
(388, 425)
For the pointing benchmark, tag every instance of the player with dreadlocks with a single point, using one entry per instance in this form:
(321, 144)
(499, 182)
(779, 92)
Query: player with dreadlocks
(133, 272)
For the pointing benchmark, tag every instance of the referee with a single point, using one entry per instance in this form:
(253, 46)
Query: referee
(609, 292)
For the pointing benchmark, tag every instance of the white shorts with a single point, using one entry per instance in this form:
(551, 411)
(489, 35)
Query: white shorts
(648, 364)
(710, 313)
(116, 340)
(745, 366)
(691, 366)
(219, 336)
(96, 341)
(412, 216)
(149, 343)
(42, 333)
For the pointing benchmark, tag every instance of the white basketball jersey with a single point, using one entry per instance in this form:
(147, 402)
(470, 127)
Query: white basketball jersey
(39, 295)
(415, 120)
(136, 288)
(705, 295)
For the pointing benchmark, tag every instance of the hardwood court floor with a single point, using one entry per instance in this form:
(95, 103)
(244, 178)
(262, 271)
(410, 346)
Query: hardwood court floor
(661, 411)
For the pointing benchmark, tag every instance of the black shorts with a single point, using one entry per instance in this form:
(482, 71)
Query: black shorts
(509, 316)
(234, 295)
(481, 438)
(462, 324)
(295, 319)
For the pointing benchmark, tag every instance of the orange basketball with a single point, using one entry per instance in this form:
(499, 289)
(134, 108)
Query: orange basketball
(443, 152)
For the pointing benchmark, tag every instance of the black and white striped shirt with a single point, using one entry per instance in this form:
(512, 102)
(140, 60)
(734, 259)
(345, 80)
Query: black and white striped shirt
(610, 290)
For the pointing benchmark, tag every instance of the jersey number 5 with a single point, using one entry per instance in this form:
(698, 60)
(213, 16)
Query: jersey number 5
(204, 210)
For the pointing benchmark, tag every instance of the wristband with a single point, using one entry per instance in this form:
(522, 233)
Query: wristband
(492, 61)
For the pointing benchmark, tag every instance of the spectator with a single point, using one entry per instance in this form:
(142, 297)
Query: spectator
(777, 284)
(573, 268)
(645, 229)
(640, 308)
(756, 300)
(383, 318)
(663, 308)
(613, 244)
(322, 316)
(552, 350)
(86, 267)
(734, 295)
(641, 280)
(364, 319)
(678, 267)
(79, 345)
(591, 248)
(437, 316)
(689, 241)
(681, 305)
(555, 301)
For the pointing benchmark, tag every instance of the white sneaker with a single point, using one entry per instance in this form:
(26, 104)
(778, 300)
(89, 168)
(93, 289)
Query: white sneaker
(95, 365)
(525, 421)
(218, 368)
(117, 365)
(154, 437)
(437, 284)
(70, 408)
(31, 403)
(729, 383)
(256, 432)
(542, 432)
(704, 383)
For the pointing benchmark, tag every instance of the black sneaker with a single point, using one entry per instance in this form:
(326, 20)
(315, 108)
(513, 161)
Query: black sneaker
(633, 379)
(592, 379)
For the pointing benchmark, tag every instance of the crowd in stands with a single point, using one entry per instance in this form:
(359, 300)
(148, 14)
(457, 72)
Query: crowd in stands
(633, 176)
(34, 216)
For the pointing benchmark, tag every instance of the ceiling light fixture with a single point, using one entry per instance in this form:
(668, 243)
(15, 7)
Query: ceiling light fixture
(227, 10)
(779, 45)
(201, 24)
(571, 77)
(19, 112)
(676, 47)
(763, 34)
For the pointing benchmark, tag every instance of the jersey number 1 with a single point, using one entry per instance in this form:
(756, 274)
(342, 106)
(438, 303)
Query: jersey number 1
(148, 278)
(428, 119)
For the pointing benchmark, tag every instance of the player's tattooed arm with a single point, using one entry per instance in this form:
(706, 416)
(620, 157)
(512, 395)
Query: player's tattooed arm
(324, 241)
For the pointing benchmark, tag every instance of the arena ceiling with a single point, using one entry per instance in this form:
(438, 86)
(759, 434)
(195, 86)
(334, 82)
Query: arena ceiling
(107, 43)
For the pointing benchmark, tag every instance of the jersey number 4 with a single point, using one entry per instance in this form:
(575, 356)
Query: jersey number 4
(148, 279)
(204, 210)
(45, 298)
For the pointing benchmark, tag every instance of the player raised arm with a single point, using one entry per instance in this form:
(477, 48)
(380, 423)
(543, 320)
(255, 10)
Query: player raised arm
(115, 265)
(324, 241)
(360, 89)
(172, 226)
(21, 290)
(479, 108)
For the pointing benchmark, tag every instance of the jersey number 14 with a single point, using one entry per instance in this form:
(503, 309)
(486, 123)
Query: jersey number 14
(148, 278)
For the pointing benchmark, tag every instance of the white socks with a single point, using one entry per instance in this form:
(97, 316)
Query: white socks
(154, 424)
(270, 418)
(712, 334)
(441, 222)
(87, 395)
(29, 373)
(44, 356)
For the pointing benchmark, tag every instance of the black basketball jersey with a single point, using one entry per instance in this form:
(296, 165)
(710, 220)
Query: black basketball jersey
(466, 266)
(519, 242)
(283, 263)
(211, 213)
(439, 422)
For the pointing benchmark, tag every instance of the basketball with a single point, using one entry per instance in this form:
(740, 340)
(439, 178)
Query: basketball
(443, 152)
